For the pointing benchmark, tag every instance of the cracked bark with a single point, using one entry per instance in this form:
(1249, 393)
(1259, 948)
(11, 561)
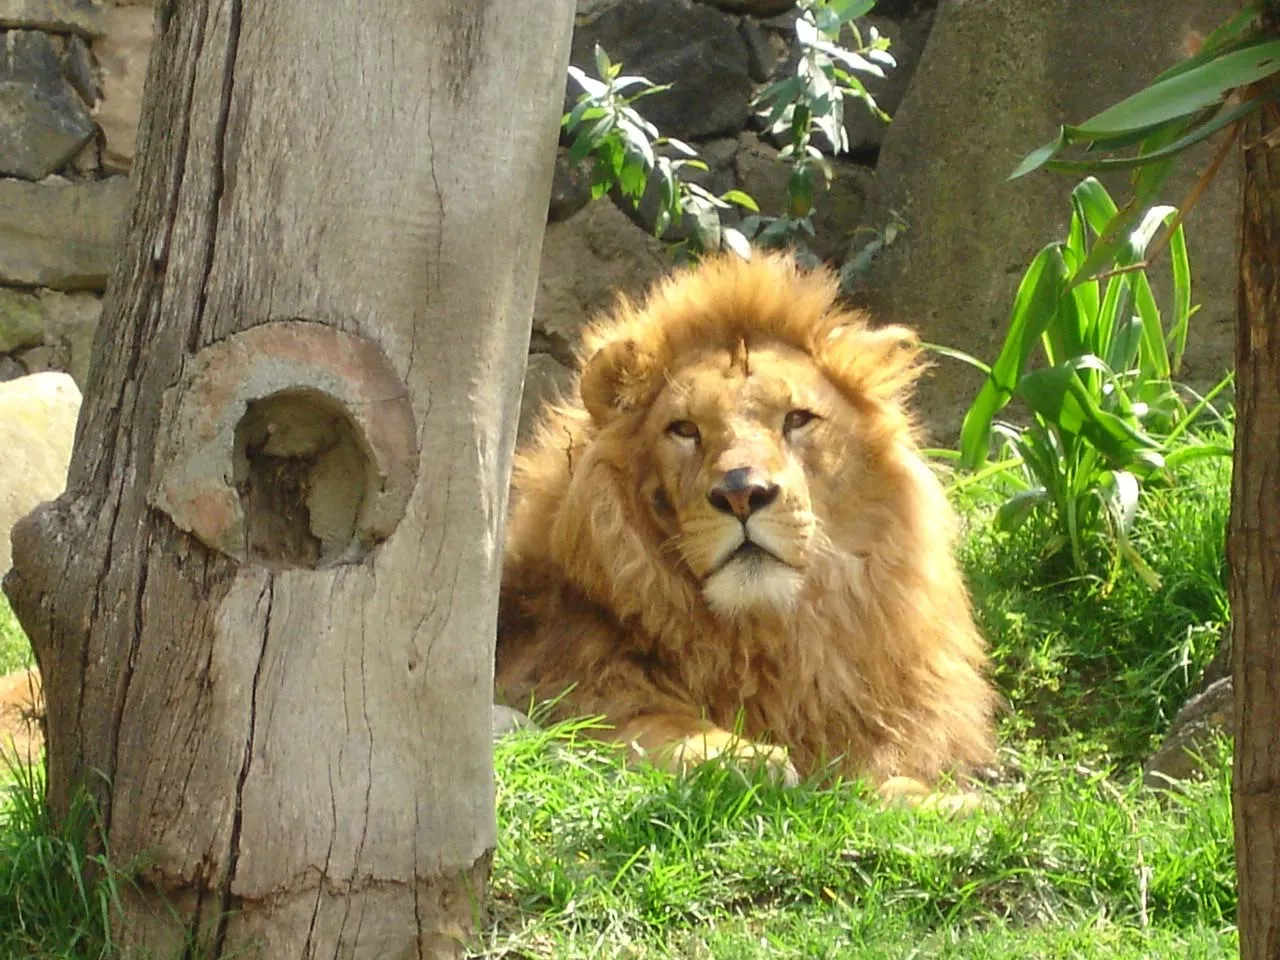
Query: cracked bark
(1254, 544)
(302, 755)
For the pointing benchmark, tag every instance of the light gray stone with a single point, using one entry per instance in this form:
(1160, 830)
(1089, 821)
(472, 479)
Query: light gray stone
(507, 720)
(43, 122)
(21, 321)
(123, 55)
(1204, 719)
(37, 360)
(61, 235)
(37, 428)
(82, 17)
(10, 369)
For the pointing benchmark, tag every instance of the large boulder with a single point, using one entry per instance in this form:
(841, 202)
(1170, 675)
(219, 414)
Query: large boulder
(37, 428)
(586, 260)
(996, 79)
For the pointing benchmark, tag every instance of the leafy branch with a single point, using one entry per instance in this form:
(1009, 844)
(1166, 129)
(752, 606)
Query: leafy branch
(628, 152)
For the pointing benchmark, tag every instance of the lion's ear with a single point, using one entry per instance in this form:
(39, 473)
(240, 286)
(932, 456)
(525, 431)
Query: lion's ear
(615, 380)
(885, 361)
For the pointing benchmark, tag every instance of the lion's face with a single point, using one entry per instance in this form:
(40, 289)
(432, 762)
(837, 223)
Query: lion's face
(741, 443)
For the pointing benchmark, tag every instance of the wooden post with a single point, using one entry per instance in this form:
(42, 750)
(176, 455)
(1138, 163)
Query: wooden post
(265, 607)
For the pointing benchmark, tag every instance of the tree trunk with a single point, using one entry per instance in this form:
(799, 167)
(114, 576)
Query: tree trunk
(265, 607)
(1254, 545)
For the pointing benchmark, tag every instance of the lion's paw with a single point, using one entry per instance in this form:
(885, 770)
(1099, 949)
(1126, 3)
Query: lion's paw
(910, 792)
(743, 753)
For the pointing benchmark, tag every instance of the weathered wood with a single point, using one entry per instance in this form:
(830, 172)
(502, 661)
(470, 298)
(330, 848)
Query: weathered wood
(1254, 542)
(294, 733)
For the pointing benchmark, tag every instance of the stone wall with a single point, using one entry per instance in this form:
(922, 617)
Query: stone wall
(995, 79)
(71, 76)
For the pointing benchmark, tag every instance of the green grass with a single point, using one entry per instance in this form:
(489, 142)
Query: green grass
(1104, 662)
(15, 651)
(1072, 858)
(56, 896)
(717, 865)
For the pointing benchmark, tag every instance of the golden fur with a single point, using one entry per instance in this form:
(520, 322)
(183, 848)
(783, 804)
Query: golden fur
(844, 635)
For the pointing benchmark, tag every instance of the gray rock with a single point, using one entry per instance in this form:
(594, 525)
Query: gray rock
(81, 17)
(507, 720)
(545, 379)
(1205, 718)
(78, 68)
(762, 56)
(37, 360)
(10, 369)
(71, 321)
(838, 209)
(586, 260)
(37, 427)
(21, 321)
(61, 235)
(994, 82)
(43, 122)
(694, 46)
(570, 188)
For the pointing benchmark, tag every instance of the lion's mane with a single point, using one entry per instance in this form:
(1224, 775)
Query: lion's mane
(879, 667)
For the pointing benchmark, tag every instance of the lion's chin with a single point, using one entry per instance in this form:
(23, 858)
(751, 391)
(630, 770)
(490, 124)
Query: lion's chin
(753, 583)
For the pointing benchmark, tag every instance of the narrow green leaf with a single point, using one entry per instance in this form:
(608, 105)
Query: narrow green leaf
(1185, 92)
(602, 62)
(1015, 511)
(735, 241)
(960, 355)
(1033, 309)
(741, 199)
(1176, 340)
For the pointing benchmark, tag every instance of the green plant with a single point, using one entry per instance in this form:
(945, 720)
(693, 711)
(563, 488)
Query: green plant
(628, 152)
(58, 897)
(812, 102)
(15, 650)
(1106, 413)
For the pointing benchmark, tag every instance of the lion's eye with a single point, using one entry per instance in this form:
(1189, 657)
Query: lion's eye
(684, 429)
(797, 419)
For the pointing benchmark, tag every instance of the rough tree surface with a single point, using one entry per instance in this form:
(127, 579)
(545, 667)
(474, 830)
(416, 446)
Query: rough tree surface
(1254, 547)
(264, 608)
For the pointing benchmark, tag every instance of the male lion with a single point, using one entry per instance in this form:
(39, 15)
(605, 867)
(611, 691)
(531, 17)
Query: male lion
(729, 527)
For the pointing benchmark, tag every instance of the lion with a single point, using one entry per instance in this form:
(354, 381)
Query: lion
(727, 542)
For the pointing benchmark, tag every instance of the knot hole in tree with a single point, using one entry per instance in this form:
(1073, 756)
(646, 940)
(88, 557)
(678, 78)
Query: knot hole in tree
(303, 470)
(292, 445)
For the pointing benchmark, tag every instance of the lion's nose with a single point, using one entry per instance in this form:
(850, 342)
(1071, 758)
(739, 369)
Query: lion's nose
(740, 494)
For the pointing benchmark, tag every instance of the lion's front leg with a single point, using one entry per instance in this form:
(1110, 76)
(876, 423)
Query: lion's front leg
(679, 743)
